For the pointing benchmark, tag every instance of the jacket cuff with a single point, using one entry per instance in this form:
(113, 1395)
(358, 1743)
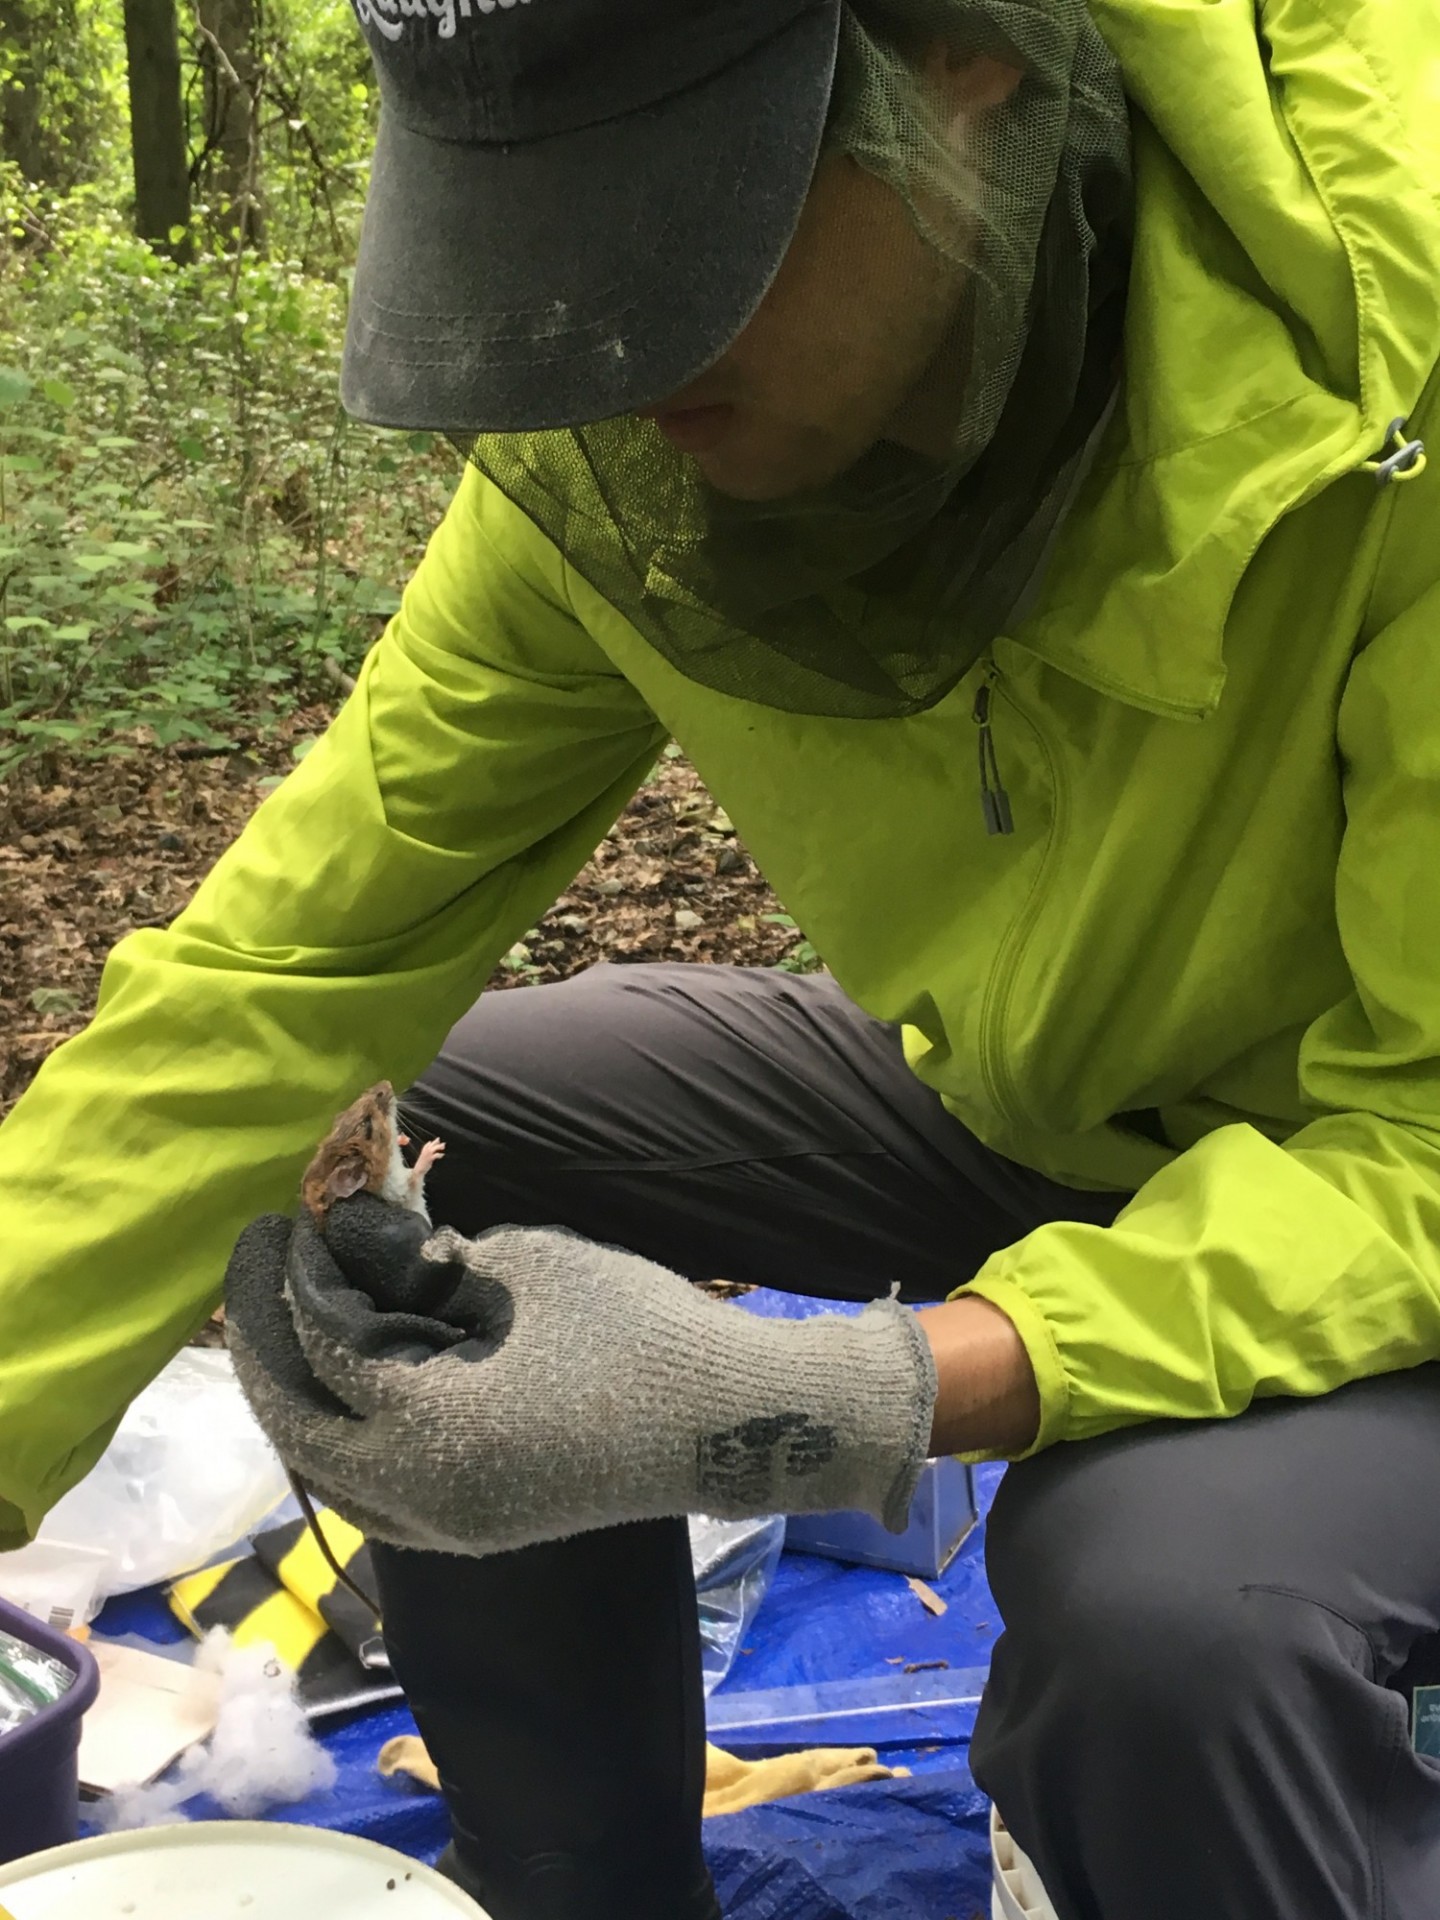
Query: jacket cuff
(1039, 1342)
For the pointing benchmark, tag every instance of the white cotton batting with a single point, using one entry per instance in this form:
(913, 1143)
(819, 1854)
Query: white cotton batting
(262, 1753)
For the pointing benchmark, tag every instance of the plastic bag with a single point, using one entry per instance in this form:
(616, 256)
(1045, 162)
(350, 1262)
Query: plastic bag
(188, 1474)
(734, 1564)
(57, 1582)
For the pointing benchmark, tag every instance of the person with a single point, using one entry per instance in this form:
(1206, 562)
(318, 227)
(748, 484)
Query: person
(988, 435)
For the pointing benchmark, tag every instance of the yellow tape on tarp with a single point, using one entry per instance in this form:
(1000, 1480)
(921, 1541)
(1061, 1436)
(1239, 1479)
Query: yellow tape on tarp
(200, 1602)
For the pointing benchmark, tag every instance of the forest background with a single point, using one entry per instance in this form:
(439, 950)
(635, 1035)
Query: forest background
(196, 545)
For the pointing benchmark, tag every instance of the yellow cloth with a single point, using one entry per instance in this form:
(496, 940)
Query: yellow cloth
(730, 1783)
(240, 1597)
(278, 1603)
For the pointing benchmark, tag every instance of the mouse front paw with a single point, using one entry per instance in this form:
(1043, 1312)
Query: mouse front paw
(432, 1151)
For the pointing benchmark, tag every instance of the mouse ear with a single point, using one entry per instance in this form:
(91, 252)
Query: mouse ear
(348, 1177)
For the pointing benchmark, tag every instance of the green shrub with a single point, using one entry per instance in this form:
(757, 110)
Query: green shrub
(189, 527)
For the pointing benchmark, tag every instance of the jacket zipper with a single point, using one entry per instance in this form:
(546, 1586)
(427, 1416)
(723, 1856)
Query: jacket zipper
(994, 801)
(995, 1006)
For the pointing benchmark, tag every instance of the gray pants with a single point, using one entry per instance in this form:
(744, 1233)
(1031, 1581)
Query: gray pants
(1197, 1706)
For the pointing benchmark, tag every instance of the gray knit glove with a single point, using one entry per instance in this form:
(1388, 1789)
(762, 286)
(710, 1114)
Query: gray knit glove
(471, 1396)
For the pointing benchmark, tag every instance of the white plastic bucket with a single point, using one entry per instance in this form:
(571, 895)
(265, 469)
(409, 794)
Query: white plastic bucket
(227, 1870)
(1016, 1892)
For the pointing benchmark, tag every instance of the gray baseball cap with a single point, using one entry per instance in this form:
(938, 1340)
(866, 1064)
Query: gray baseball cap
(575, 205)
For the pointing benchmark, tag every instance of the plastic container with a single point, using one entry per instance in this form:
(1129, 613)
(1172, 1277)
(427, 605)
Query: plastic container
(941, 1514)
(241, 1869)
(39, 1771)
(883, 1710)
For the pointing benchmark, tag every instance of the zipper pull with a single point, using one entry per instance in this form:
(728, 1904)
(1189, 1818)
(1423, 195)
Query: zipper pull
(994, 801)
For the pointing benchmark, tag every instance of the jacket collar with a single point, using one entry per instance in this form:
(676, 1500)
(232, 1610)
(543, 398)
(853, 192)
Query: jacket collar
(1282, 312)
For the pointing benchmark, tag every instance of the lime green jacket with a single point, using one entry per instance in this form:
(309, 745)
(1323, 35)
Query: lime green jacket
(1220, 735)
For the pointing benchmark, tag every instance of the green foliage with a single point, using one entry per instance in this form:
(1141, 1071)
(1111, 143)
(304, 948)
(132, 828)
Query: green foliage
(317, 136)
(520, 959)
(191, 534)
(189, 528)
(802, 957)
(61, 84)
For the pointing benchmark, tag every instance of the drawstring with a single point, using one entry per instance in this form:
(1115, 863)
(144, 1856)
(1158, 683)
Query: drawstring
(312, 1521)
(994, 801)
(1407, 462)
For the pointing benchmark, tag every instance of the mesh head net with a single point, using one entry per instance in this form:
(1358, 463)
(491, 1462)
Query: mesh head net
(912, 401)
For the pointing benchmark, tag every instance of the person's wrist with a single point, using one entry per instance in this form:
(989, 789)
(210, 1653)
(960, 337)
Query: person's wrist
(986, 1398)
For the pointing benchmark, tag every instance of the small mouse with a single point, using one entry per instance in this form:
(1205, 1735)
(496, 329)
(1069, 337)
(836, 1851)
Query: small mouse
(361, 1154)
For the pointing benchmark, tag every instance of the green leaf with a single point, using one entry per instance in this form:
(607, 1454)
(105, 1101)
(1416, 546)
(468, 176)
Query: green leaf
(177, 234)
(21, 622)
(139, 597)
(14, 386)
(54, 1000)
(374, 596)
(301, 747)
(802, 958)
(93, 562)
(420, 442)
(192, 449)
(60, 392)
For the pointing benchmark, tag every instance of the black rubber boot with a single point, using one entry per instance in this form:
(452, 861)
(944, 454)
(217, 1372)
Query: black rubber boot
(558, 1690)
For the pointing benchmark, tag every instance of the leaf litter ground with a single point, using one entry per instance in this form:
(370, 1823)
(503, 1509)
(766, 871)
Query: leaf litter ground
(123, 843)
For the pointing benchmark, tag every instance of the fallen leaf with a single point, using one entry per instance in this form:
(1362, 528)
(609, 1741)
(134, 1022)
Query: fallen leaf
(61, 910)
(927, 1596)
(54, 1000)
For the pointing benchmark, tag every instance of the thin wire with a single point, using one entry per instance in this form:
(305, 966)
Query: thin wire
(312, 1520)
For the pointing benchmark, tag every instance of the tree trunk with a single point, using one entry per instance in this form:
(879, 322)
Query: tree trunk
(157, 123)
(229, 115)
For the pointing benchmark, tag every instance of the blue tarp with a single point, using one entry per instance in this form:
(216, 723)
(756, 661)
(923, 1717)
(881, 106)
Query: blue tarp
(907, 1847)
